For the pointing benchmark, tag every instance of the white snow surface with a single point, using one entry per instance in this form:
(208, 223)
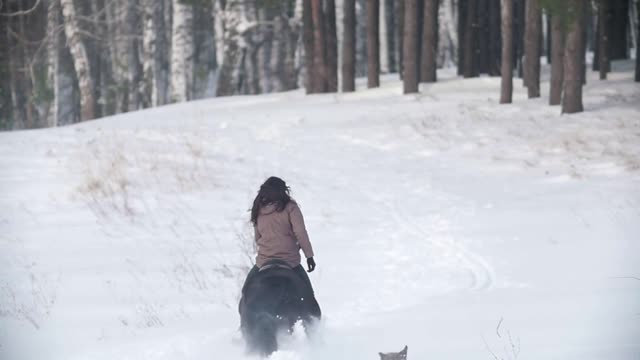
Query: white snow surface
(462, 228)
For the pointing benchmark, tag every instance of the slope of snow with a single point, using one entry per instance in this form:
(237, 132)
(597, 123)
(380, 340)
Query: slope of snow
(462, 228)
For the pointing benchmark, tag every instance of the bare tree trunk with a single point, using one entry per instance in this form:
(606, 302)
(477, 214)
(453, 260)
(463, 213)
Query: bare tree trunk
(400, 9)
(219, 29)
(182, 52)
(638, 43)
(573, 59)
(462, 27)
(274, 58)
(603, 41)
(254, 43)
(266, 37)
(319, 47)
(114, 87)
(518, 35)
(586, 24)
(619, 11)
(148, 45)
(307, 36)
(293, 50)
(55, 73)
(332, 46)
(448, 47)
(229, 80)
(547, 39)
(384, 38)
(80, 60)
(102, 59)
(429, 42)
(495, 40)
(133, 61)
(156, 50)
(204, 58)
(361, 35)
(532, 48)
(470, 55)
(506, 89)
(89, 9)
(373, 43)
(557, 59)
(482, 32)
(349, 47)
(18, 115)
(392, 36)
(410, 47)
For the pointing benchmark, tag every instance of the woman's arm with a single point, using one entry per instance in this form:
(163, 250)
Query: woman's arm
(300, 231)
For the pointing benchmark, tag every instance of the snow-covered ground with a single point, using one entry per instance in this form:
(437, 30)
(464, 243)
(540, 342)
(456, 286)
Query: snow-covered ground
(444, 221)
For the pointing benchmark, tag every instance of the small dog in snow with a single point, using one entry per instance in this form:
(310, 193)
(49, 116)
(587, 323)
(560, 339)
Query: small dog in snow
(402, 355)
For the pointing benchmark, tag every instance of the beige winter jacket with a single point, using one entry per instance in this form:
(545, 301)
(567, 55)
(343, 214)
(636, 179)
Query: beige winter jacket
(281, 235)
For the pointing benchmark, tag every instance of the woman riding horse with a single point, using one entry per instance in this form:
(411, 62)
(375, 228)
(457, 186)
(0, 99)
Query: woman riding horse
(277, 287)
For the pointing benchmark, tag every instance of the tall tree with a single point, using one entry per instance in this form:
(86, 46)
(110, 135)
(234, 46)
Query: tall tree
(573, 58)
(229, 81)
(61, 90)
(253, 44)
(287, 30)
(361, 35)
(532, 48)
(219, 29)
(470, 47)
(638, 43)
(506, 93)
(384, 38)
(547, 37)
(482, 40)
(392, 36)
(495, 40)
(159, 52)
(115, 52)
(133, 61)
(80, 60)
(462, 27)
(349, 47)
(410, 47)
(618, 25)
(373, 43)
(400, 10)
(603, 41)
(204, 51)
(182, 52)
(332, 46)
(319, 47)
(557, 59)
(307, 37)
(429, 42)
(518, 34)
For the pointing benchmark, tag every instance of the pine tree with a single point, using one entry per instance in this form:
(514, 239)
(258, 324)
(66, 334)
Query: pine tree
(574, 58)
(506, 93)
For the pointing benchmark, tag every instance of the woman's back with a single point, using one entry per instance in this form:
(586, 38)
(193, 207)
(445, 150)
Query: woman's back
(281, 234)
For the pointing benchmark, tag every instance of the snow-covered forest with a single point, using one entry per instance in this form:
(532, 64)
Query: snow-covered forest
(65, 61)
(462, 200)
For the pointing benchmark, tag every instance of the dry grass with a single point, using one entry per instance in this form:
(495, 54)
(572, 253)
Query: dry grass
(121, 173)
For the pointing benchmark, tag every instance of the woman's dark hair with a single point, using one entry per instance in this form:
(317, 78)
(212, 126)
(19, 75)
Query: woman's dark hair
(273, 191)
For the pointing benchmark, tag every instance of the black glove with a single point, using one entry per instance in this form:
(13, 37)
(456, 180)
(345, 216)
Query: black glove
(311, 264)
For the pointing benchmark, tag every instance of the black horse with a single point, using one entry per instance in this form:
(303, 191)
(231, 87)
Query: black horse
(273, 299)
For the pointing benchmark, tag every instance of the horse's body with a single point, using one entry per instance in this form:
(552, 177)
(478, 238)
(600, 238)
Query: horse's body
(273, 300)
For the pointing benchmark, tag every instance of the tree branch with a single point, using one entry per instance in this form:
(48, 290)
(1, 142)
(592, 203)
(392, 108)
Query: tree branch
(22, 12)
